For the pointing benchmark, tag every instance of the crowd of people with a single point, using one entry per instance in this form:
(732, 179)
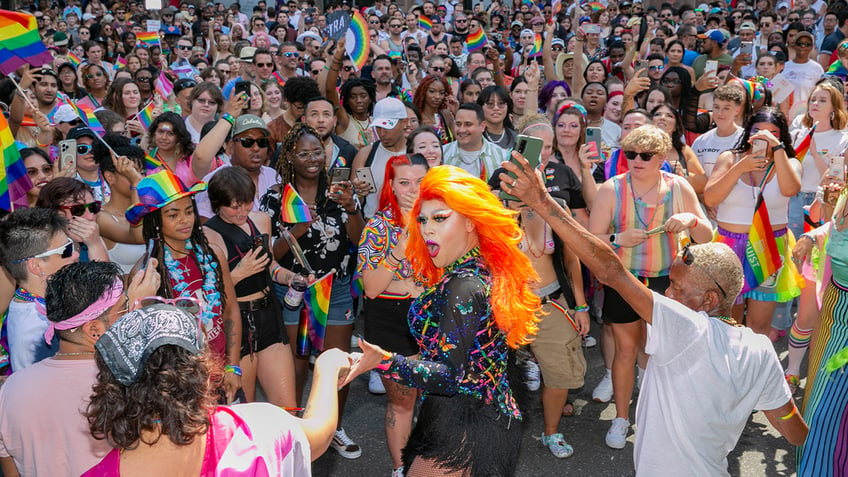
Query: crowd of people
(688, 194)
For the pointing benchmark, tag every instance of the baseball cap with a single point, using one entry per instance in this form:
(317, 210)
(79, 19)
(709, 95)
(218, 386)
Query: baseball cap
(80, 131)
(388, 112)
(87, 16)
(703, 7)
(713, 35)
(782, 5)
(247, 53)
(246, 122)
(172, 30)
(516, 23)
(558, 41)
(747, 26)
(169, 10)
(537, 21)
(805, 33)
(64, 114)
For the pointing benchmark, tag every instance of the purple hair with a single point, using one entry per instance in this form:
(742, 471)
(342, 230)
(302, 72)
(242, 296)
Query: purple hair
(548, 91)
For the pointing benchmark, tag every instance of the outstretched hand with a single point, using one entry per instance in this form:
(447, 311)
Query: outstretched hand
(528, 185)
(369, 359)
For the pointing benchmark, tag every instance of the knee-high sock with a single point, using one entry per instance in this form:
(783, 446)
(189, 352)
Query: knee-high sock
(799, 340)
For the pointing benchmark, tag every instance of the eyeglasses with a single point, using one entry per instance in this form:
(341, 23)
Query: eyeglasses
(305, 156)
(291, 54)
(645, 156)
(65, 250)
(689, 259)
(264, 65)
(83, 149)
(205, 101)
(184, 47)
(670, 81)
(248, 142)
(78, 210)
(657, 68)
(94, 75)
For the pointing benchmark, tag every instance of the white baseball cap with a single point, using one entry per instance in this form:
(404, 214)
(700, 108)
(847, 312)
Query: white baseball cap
(387, 113)
(64, 114)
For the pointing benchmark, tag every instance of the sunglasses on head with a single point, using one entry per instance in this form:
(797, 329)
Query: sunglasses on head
(689, 259)
(645, 156)
(65, 250)
(248, 142)
(188, 304)
(78, 210)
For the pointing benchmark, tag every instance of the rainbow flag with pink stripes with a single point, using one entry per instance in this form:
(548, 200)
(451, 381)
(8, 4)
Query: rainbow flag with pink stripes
(147, 39)
(317, 300)
(476, 41)
(145, 116)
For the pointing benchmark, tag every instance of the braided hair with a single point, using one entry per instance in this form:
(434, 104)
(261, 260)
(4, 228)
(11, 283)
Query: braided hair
(285, 168)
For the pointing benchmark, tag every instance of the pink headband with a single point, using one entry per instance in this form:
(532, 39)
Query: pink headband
(106, 301)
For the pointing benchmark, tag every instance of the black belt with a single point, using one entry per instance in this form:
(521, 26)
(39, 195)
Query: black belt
(255, 305)
(551, 297)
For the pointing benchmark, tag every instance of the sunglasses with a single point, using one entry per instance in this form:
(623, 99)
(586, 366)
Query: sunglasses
(557, 48)
(83, 149)
(188, 304)
(315, 72)
(94, 75)
(291, 54)
(689, 259)
(803, 45)
(78, 210)
(144, 79)
(264, 65)
(645, 156)
(348, 68)
(184, 47)
(72, 122)
(440, 69)
(248, 142)
(65, 250)
(657, 68)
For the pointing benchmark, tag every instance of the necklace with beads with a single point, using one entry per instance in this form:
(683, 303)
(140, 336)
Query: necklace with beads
(81, 353)
(730, 321)
(207, 267)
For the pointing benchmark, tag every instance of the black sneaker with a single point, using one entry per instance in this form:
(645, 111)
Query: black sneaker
(345, 446)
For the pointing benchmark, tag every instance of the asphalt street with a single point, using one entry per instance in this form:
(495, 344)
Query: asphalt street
(760, 451)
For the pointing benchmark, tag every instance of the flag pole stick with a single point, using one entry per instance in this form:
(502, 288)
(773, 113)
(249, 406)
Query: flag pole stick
(23, 93)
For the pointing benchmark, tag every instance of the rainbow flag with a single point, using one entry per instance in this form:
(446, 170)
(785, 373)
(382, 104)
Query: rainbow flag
(280, 80)
(357, 288)
(536, 51)
(88, 117)
(147, 39)
(294, 209)
(761, 250)
(145, 116)
(153, 164)
(359, 49)
(476, 41)
(164, 86)
(74, 59)
(19, 42)
(424, 23)
(595, 6)
(556, 6)
(317, 301)
(14, 181)
(804, 146)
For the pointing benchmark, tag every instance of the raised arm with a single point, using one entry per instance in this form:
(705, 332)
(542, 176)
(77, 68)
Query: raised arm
(208, 147)
(328, 78)
(548, 54)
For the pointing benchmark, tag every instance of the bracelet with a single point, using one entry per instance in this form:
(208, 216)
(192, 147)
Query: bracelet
(696, 223)
(812, 239)
(789, 416)
(581, 308)
(386, 362)
(398, 260)
(327, 67)
(779, 147)
(231, 368)
(229, 118)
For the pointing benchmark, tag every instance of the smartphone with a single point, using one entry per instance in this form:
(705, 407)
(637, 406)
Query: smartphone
(242, 87)
(837, 166)
(529, 147)
(593, 136)
(261, 241)
(151, 244)
(640, 64)
(758, 148)
(747, 48)
(67, 154)
(340, 174)
(711, 67)
(364, 174)
(592, 28)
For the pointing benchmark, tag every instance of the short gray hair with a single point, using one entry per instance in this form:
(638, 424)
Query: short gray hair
(720, 263)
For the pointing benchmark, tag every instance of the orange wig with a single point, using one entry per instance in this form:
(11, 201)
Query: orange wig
(513, 303)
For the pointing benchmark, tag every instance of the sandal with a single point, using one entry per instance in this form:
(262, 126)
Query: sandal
(568, 409)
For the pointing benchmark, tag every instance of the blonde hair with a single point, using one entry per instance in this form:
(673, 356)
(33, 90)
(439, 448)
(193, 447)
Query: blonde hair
(839, 118)
(718, 262)
(533, 122)
(647, 138)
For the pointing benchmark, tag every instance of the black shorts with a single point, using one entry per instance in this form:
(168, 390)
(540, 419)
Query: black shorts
(616, 310)
(386, 325)
(261, 329)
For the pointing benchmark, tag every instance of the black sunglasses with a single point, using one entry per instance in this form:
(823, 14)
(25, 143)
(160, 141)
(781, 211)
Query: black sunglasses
(645, 156)
(144, 79)
(72, 122)
(348, 68)
(183, 47)
(79, 209)
(248, 142)
(689, 259)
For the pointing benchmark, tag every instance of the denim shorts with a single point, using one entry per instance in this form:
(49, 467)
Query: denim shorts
(341, 304)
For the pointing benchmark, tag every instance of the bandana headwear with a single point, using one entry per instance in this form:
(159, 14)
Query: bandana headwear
(127, 345)
(109, 298)
(571, 104)
(753, 90)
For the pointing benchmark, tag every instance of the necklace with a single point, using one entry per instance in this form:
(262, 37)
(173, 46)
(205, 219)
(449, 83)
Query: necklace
(210, 292)
(81, 353)
(636, 208)
(491, 137)
(362, 128)
(730, 321)
(23, 295)
(474, 252)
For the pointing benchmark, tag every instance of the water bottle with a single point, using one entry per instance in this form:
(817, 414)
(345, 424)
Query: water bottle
(294, 297)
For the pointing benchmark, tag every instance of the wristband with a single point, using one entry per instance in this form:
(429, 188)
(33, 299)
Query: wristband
(789, 416)
(581, 308)
(779, 147)
(231, 368)
(696, 223)
(229, 118)
(386, 362)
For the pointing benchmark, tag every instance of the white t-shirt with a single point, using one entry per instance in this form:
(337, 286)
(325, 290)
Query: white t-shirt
(710, 145)
(267, 177)
(25, 330)
(804, 77)
(828, 143)
(703, 380)
(610, 134)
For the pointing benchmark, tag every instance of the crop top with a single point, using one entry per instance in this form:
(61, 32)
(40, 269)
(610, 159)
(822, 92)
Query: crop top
(738, 207)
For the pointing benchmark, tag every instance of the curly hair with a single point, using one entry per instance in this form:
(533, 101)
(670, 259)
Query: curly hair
(647, 138)
(185, 146)
(387, 195)
(419, 97)
(515, 308)
(347, 89)
(173, 396)
(285, 168)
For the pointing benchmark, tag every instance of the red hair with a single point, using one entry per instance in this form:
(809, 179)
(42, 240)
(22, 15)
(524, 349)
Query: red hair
(387, 195)
(514, 305)
(418, 98)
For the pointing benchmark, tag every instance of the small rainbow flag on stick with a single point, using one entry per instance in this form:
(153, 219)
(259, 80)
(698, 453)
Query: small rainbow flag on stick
(19, 42)
(424, 23)
(164, 86)
(147, 39)
(556, 6)
(14, 181)
(74, 59)
(761, 250)
(317, 300)
(804, 146)
(145, 116)
(152, 164)
(88, 117)
(120, 62)
(595, 6)
(536, 50)
(294, 209)
(476, 40)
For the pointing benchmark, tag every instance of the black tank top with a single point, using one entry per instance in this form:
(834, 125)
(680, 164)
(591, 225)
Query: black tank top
(238, 245)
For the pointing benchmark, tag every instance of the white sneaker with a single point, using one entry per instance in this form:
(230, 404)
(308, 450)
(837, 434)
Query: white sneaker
(617, 434)
(603, 391)
(532, 375)
(345, 446)
(589, 341)
(398, 472)
(375, 384)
